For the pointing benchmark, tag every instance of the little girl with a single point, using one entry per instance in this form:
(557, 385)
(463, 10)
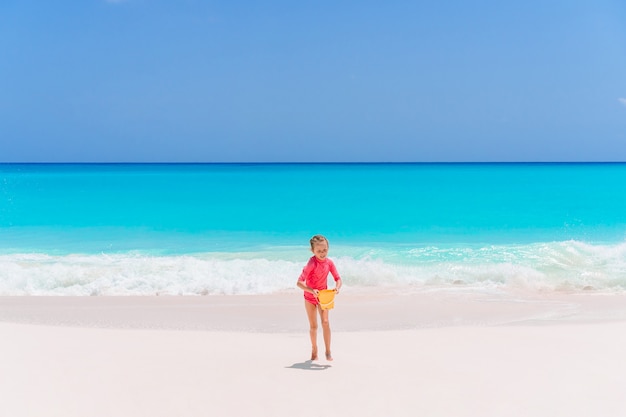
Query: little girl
(314, 278)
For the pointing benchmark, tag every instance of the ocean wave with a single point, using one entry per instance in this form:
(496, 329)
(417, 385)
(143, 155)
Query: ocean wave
(555, 266)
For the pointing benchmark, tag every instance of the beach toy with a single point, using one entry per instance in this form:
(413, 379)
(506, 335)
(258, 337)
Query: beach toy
(326, 299)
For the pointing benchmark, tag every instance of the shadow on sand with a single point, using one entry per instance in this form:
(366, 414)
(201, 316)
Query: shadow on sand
(309, 366)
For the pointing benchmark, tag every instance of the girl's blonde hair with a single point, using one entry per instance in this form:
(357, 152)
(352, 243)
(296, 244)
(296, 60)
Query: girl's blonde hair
(318, 239)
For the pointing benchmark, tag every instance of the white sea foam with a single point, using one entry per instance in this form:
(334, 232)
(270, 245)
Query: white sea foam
(557, 266)
(141, 275)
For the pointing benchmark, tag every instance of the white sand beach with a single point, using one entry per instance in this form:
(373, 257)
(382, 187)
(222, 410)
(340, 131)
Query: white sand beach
(400, 355)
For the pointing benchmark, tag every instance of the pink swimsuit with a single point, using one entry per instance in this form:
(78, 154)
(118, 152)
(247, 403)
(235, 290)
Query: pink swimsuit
(315, 275)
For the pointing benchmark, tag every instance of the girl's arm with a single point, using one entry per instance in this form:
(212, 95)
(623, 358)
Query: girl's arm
(304, 287)
(306, 271)
(338, 285)
(335, 274)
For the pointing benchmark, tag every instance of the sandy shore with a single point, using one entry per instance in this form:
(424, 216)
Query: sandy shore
(421, 354)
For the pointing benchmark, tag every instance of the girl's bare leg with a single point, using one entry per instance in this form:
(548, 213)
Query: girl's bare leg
(326, 332)
(311, 312)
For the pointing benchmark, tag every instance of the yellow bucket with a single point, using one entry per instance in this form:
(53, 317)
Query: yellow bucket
(326, 299)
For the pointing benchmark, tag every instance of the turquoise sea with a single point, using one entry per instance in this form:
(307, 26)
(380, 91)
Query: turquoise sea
(117, 229)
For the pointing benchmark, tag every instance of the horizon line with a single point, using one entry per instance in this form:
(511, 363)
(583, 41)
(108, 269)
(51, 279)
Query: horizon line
(314, 163)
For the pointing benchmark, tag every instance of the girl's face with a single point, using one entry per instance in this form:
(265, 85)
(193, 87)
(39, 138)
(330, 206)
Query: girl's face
(320, 250)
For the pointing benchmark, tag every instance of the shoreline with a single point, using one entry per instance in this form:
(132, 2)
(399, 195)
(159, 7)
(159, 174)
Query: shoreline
(284, 313)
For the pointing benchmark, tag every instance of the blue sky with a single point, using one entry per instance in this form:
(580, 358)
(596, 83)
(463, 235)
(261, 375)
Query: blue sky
(323, 81)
